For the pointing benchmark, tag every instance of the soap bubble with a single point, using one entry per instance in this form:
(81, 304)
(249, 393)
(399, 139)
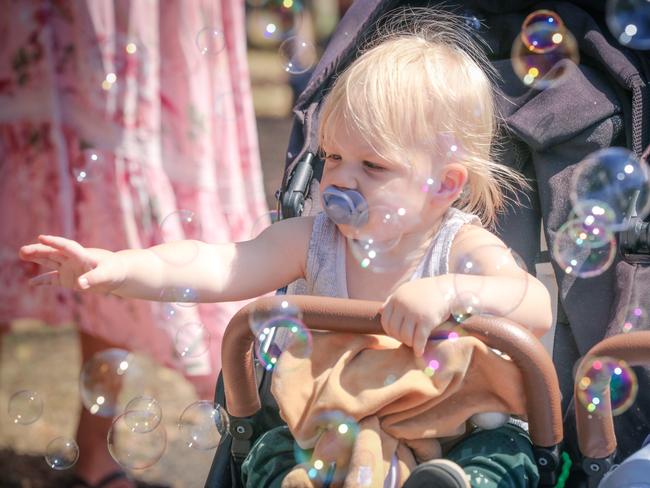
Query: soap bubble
(263, 222)
(103, 377)
(298, 55)
(471, 275)
(132, 448)
(275, 21)
(615, 179)
(542, 31)
(279, 335)
(259, 317)
(629, 22)
(597, 375)
(371, 245)
(181, 224)
(192, 340)
(465, 305)
(210, 41)
(88, 166)
(636, 319)
(431, 358)
(539, 54)
(339, 433)
(25, 407)
(145, 414)
(61, 453)
(182, 296)
(202, 424)
(113, 63)
(579, 256)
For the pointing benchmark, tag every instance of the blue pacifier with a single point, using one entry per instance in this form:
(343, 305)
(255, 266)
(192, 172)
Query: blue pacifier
(345, 207)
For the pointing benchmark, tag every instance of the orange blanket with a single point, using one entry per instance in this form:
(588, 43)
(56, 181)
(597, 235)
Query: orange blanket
(364, 400)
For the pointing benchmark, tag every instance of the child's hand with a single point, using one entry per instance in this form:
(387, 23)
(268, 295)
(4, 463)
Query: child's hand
(74, 266)
(414, 310)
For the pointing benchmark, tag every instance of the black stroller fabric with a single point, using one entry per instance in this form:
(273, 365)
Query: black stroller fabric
(600, 103)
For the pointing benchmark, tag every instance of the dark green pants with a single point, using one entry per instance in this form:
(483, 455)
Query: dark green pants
(499, 458)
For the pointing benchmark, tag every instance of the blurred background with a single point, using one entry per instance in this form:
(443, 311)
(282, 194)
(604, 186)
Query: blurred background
(47, 360)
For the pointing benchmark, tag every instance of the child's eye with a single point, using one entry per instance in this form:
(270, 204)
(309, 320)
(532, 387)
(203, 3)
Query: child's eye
(372, 166)
(331, 157)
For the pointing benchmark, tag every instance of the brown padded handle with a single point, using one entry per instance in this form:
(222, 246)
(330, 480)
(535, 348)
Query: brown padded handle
(359, 316)
(596, 436)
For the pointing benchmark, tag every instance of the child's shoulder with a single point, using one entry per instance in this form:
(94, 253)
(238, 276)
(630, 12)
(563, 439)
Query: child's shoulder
(474, 240)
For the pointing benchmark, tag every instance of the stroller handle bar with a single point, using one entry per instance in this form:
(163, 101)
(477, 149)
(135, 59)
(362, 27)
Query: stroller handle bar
(596, 436)
(362, 317)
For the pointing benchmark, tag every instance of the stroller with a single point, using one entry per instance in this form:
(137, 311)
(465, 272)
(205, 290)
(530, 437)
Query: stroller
(600, 104)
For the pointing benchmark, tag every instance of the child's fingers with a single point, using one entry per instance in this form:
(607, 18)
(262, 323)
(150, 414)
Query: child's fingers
(67, 246)
(49, 278)
(48, 263)
(406, 331)
(41, 251)
(420, 338)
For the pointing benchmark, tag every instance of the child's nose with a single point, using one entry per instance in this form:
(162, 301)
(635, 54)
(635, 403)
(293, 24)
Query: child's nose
(344, 177)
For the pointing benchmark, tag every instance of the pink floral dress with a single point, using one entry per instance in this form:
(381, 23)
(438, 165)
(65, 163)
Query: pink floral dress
(118, 120)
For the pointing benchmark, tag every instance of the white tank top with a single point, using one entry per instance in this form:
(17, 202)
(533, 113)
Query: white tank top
(325, 270)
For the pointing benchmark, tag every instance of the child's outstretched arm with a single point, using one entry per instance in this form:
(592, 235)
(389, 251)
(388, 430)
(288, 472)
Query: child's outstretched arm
(417, 307)
(213, 272)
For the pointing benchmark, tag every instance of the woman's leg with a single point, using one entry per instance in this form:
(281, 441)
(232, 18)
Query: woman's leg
(95, 462)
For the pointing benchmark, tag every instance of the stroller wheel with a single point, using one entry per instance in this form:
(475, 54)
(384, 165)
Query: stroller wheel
(440, 473)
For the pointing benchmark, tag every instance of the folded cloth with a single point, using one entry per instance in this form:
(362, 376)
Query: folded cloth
(359, 401)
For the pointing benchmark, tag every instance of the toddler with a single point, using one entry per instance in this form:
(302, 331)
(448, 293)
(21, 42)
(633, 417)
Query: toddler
(408, 185)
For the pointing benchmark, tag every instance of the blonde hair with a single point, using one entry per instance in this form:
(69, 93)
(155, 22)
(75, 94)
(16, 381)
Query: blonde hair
(424, 84)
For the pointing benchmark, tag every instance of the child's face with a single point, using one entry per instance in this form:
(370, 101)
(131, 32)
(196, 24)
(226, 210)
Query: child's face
(395, 190)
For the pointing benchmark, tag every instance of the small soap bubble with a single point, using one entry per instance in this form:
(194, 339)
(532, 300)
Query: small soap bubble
(274, 21)
(202, 424)
(102, 378)
(61, 453)
(629, 22)
(263, 222)
(615, 179)
(636, 319)
(466, 304)
(192, 340)
(88, 166)
(598, 375)
(210, 41)
(298, 55)
(134, 449)
(145, 416)
(371, 245)
(182, 296)
(25, 407)
(181, 224)
(471, 275)
(577, 255)
(540, 53)
(279, 335)
(542, 31)
(281, 308)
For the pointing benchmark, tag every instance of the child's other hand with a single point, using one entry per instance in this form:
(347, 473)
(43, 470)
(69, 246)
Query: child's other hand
(74, 266)
(413, 311)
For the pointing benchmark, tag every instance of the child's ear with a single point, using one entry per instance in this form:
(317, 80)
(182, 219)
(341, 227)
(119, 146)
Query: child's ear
(452, 180)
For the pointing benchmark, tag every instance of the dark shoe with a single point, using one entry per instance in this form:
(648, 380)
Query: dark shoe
(439, 473)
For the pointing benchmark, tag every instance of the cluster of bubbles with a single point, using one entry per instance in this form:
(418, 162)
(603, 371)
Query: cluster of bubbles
(25, 407)
(601, 376)
(281, 22)
(607, 188)
(542, 49)
(278, 330)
